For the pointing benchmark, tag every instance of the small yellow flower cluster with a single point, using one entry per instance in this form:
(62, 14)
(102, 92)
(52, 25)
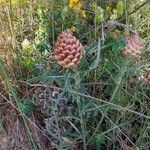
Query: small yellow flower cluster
(75, 3)
(77, 7)
(83, 13)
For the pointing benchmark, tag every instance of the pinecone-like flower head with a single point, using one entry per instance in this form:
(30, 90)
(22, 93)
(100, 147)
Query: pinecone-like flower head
(68, 50)
(133, 46)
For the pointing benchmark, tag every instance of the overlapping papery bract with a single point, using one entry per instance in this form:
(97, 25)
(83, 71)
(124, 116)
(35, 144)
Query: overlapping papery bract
(133, 46)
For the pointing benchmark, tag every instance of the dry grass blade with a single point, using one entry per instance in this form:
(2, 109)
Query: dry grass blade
(31, 122)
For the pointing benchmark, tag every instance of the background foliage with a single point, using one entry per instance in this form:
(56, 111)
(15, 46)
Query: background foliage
(101, 104)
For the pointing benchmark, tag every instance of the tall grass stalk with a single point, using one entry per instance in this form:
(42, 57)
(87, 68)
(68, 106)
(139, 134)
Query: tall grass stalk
(12, 94)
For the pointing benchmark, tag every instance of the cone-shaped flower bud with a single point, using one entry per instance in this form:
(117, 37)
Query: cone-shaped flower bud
(133, 46)
(68, 50)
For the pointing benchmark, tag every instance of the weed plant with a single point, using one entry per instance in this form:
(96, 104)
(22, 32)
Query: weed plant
(102, 104)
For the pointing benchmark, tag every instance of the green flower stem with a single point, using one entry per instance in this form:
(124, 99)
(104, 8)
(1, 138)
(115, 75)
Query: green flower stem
(77, 86)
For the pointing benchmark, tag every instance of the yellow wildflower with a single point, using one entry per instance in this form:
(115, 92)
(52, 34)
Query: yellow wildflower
(83, 13)
(79, 5)
(72, 3)
(75, 4)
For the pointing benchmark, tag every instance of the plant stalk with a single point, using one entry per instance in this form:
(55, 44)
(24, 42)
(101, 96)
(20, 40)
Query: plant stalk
(77, 86)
